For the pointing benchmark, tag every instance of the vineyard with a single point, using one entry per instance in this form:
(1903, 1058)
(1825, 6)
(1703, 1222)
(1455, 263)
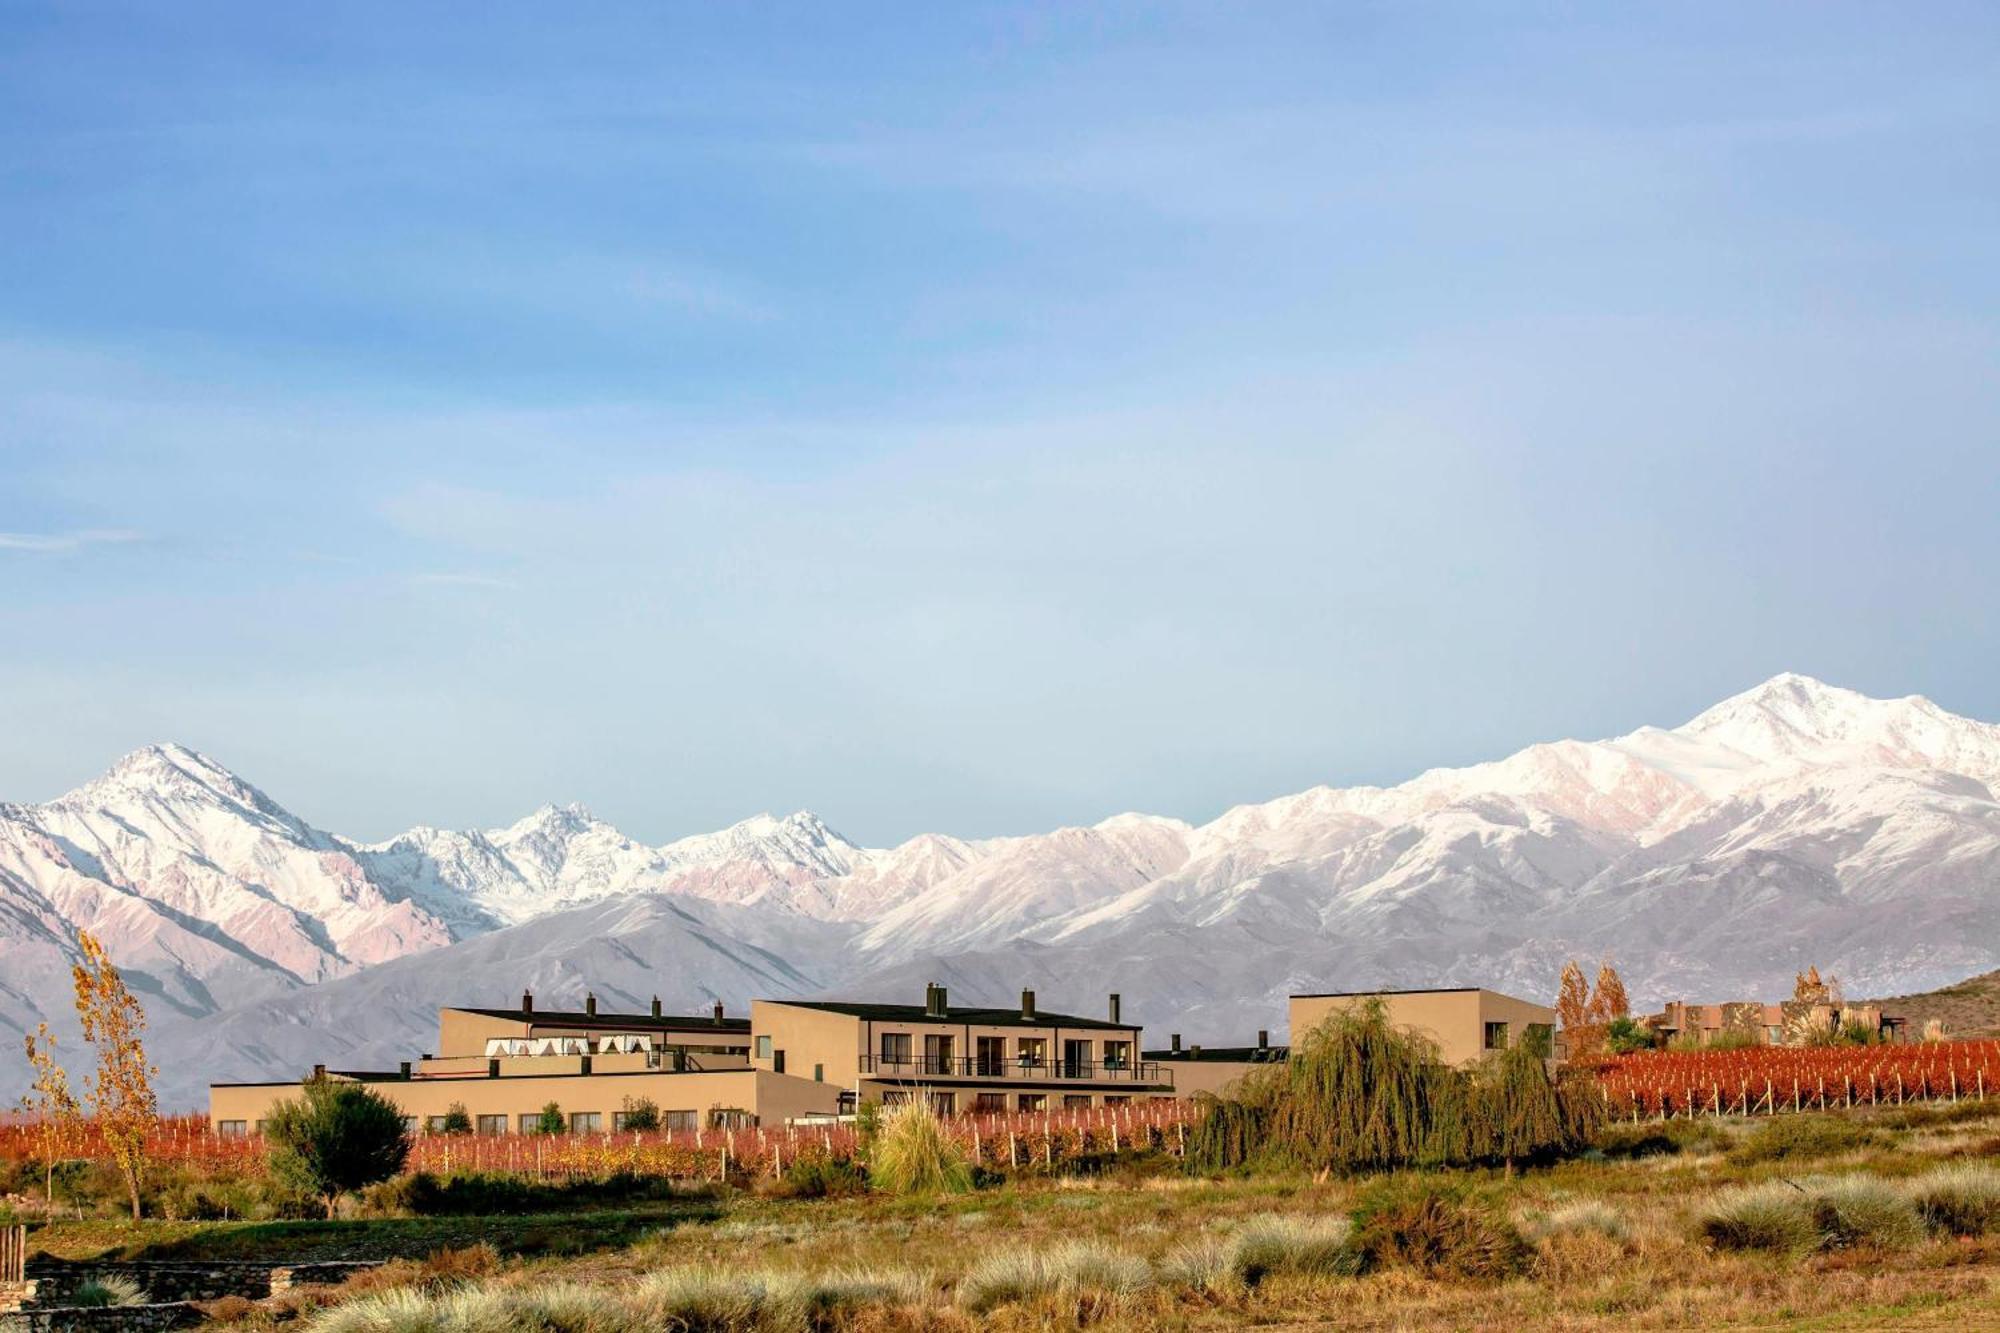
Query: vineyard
(1765, 1080)
(1049, 1142)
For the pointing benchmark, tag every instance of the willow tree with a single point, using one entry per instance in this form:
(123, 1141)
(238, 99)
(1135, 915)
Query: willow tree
(120, 1093)
(1360, 1094)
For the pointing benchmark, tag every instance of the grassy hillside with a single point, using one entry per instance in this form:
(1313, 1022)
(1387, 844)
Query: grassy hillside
(1970, 1008)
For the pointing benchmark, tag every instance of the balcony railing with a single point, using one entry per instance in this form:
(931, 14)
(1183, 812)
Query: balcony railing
(1131, 1071)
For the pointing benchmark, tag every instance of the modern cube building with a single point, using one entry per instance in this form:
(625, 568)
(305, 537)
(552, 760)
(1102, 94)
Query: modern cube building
(1465, 1022)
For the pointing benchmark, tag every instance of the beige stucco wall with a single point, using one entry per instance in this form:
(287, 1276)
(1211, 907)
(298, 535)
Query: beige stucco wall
(1214, 1076)
(773, 1098)
(1455, 1020)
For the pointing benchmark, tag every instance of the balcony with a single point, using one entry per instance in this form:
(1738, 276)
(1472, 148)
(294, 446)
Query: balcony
(1017, 1071)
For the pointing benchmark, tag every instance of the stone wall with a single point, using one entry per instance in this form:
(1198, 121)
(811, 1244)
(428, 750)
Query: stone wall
(167, 1280)
(101, 1319)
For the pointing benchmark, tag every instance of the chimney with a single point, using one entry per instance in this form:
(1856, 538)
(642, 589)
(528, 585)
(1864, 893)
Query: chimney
(718, 1011)
(403, 1071)
(656, 1006)
(1114, 1006)
(493, 1067)
(934, 1005)
(527, 1002)
(1195, 1051)
(1174, 1040)
(319, 1071)
(1263, 1038)
(1027, 1004)
(590, 1005)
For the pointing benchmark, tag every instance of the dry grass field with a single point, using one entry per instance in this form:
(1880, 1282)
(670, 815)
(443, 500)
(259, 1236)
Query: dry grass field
(1883, 1219)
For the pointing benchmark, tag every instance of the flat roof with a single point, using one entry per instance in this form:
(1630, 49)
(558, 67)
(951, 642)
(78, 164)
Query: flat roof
(1247, 1055)
(602, 1020)
(992, 1018)
(1407, 990)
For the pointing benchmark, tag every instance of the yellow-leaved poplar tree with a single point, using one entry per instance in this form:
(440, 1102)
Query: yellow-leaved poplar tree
(57, 1123)
(1608, 1001)
(120, 1093)
(1581, 1037)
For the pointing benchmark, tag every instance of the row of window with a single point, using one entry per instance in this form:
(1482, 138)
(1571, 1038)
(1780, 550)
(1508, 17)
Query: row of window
(997, 1103)
(528, 1122)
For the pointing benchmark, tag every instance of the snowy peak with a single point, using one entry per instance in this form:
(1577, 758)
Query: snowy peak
(1794, 719)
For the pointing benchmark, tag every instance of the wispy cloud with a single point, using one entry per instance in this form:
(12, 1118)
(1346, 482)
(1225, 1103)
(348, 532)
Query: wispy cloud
(62, 543)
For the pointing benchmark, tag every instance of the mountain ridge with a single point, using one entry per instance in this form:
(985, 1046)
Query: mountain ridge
(1793, 822)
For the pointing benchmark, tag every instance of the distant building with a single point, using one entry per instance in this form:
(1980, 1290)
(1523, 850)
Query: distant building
(790, 1060)
(1765, 1024)
(1215, 1069)
(1465, 1022)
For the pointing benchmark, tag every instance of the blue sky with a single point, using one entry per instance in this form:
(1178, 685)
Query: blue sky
(976, 418)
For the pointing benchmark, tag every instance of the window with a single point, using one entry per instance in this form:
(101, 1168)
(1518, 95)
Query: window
(434, 1124)
(895, 1051)
(777, 1062)
(1116, 1101)
(944, 1103)
(1076, 1101)
(819, 1073)
(586, 1122)
(492, 1124)
(683, 1122)
(937, 1054)
(530, 1122)
(1032, 1101)
(1496, 1036)
(262, 1127)
(409, 1124)
(989, 1056)
(1117, 1054)
(989, 1103)
(895, 1097)
(1076, 1059)
(231, 1129)
(763, 1048)
(1033, 1052)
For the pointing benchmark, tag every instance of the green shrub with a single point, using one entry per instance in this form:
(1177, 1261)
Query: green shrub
(108, 1290)
(335, 1138)
(1959, 1200)
(1072, 1270)
(1435, 1229)
(1627, 1034)
(1801, 1138)
(820, 1177)
(642, 1114)
(1658, 1138)
(1774, 1217)
(551, 1120)
(457, 1120)
(912, 1154)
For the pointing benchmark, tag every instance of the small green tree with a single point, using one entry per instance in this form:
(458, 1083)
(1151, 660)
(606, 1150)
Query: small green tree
(1628, 1034)
(552, 1121)
(456, 1120)
(334, 1139)
(641, 1114)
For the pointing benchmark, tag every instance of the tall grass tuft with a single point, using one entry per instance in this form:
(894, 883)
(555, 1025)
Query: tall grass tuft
(912, 1154)
(1772, 1217)
(1959, 1200)
(108, 1290)
(1861, 1210)
(1314, 1246)
(1071, 1270)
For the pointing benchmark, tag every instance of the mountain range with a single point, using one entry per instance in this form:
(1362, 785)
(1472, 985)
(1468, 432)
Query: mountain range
(1794, 823)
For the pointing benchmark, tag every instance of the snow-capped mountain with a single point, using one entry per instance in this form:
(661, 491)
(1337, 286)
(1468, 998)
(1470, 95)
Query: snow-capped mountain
(1793, 823)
